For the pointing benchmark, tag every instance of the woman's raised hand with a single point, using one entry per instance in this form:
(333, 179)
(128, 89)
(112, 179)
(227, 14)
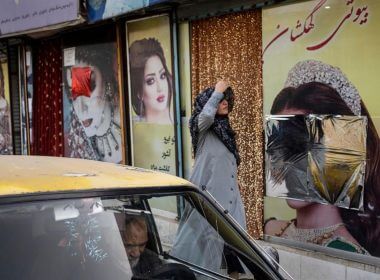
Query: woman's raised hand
(221, 86)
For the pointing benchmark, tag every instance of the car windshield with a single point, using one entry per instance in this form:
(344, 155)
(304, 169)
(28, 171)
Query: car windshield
(124, 237)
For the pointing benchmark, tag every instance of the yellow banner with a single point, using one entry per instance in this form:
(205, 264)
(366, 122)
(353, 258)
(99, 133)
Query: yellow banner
(343, 33)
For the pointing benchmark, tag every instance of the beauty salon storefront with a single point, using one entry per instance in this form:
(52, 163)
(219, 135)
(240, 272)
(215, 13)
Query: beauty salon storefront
(332, 172)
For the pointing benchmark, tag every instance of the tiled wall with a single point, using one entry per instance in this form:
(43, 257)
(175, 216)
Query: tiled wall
(303, 265)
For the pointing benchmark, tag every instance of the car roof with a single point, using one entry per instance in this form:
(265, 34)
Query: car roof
(34, 174)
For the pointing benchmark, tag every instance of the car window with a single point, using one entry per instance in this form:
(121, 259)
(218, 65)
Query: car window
(65, 239)
(198, 235)
(122, 237)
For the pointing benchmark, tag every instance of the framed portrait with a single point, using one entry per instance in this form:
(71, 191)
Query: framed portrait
(6, 143)
(26, 97)
(151, 94)
(91, 93)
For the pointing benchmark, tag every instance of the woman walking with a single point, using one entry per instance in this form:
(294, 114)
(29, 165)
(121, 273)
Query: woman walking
(215, 170)
(215, 150)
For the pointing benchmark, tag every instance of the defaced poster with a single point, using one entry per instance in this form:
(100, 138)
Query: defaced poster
(322, 122)
(6, 146)
(151, 94)
(92, 122)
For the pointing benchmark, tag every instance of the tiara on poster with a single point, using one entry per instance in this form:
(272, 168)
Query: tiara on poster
(316, 71)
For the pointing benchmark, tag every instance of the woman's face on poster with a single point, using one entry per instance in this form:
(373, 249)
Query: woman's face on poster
(155, 86)
(92, 111)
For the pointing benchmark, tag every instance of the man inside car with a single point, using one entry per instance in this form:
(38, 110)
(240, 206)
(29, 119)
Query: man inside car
(144, 262)
(135, 239)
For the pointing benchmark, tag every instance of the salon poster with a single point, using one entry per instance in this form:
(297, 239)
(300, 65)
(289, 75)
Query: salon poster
(151, 94)
(92, 126)
(6, 147)
(322, 36)
(103, 9)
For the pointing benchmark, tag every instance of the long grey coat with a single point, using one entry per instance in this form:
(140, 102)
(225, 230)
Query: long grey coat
(215, 169)
(215, 166)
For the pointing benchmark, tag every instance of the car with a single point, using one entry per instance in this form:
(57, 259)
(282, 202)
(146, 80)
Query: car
(65, 218)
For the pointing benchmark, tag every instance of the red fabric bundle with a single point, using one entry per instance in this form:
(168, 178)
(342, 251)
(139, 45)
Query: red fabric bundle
(80, 82)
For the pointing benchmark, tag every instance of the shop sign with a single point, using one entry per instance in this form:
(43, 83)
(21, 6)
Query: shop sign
(20, 16)
(103, 9)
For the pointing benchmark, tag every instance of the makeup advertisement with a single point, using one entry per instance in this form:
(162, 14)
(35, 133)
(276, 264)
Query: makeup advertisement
(322, 120)
(151, 94)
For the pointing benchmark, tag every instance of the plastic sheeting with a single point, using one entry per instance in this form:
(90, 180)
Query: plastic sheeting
(318, 158)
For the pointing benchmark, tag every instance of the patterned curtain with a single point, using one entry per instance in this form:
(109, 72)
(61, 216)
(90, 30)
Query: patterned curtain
(47, 101)
(229, 47)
